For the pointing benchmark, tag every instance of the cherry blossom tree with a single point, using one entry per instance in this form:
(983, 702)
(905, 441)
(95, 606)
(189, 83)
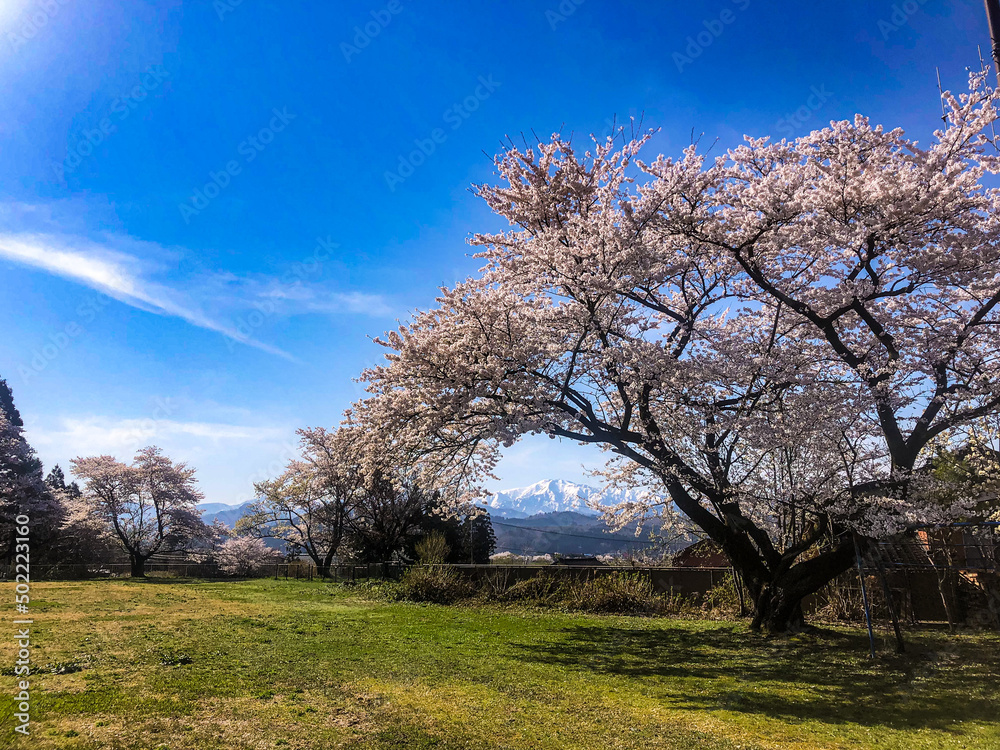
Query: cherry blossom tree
(85, 537)
(149, 504)
(773, 342)
(245, 556)
(309, 505)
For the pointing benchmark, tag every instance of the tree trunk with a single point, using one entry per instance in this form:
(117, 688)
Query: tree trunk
(138, 566)
(324, 567)
(322, 563)
(778, 610)
(778, 594)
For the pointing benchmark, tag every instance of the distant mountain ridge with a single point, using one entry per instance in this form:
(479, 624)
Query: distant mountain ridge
(544, 497)
(566, 532)
(552, 496)
(551, 516)
(228, 514)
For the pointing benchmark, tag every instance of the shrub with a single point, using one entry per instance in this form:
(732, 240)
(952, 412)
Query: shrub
(615, 593)
(495, 583)
(841, 600)
(432, 549)
(721, 600)
(433, 583)
(543, 588)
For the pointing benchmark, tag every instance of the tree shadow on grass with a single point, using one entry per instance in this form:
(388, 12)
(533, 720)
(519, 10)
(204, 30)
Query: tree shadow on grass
(824, 677)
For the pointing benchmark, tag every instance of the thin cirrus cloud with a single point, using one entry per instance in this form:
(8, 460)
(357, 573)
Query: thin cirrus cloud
(124, 277)
(354, 302)
(110, 435)
(116, 275)
(301, 296)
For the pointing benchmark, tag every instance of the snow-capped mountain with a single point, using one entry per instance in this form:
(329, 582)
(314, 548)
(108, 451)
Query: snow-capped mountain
(549, 496)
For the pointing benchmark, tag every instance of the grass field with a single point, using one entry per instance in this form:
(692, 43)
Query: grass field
(270, 664)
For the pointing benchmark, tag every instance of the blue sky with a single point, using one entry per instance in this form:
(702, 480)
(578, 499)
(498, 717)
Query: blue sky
(207, 209)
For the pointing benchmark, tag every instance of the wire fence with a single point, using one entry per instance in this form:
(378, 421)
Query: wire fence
(924, 580)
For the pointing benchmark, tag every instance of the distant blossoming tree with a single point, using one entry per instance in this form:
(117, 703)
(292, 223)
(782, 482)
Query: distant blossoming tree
(86, 537)
(149, 504)
(245, 556)
(774, 341)
(309, 505)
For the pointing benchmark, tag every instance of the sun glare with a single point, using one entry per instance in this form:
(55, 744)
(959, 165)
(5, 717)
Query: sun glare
(10, 12)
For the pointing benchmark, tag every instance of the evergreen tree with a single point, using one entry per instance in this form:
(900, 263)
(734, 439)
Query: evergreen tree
(470, 538)
(56, 479)
(480, 540)
(7, 405)
(22, 489)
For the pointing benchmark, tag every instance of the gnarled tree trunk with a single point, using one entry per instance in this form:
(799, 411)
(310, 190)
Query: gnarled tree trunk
(778, 583)
(779, 593)
(138, 563)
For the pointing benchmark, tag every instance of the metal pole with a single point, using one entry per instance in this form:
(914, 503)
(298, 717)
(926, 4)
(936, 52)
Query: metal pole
(993, 17)
(900, 647)
(864, 595)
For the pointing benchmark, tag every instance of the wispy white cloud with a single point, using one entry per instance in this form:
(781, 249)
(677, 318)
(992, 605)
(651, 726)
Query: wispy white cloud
(119, 276)
(297, 296)
(93, 435)
(359, 303)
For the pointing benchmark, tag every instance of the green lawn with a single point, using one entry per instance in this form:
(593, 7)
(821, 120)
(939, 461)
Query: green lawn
(271, 664)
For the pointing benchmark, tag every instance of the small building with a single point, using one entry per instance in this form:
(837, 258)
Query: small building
(703, 554)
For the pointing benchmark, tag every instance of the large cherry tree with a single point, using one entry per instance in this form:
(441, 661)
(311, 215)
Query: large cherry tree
(150, 504)
(309, 506)
(775, 341)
